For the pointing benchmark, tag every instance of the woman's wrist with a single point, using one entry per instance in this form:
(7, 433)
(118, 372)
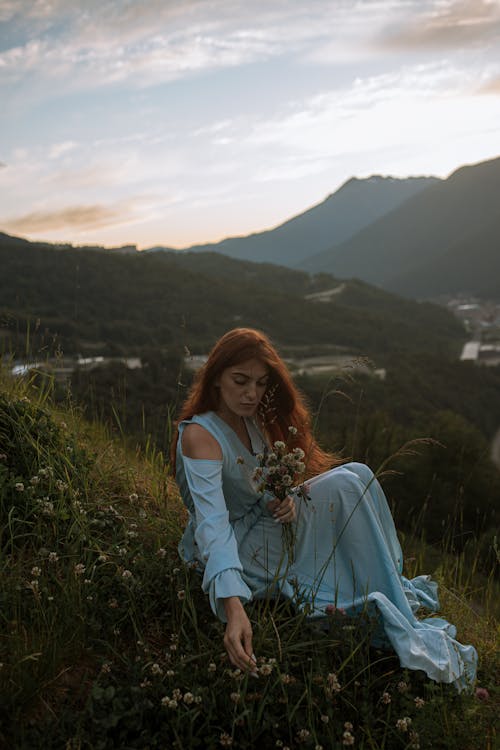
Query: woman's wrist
(232, 606)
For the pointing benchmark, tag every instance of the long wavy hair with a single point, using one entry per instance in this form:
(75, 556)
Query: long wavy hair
(282, 406)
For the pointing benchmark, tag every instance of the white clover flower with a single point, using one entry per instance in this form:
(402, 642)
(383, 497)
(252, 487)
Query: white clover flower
(181, 594)
(333, 683)
(53, 557)
(177, 694)
(402, 686)
(188, 698)
(156, 669)
(325, 719)
(419, 702)
(35, 480)
(303, 735)
(126, 574)
(225, 739)
(19, 486)
(79, 569)
(386, 698)
(292, 430)
(161, 552)
(403, 724)
(102, 558)
(235, 697)
(34, 584)
(212, 667)
(133, 497)
(170, 673)
(279, 445)
(347, 739)
(36, 571)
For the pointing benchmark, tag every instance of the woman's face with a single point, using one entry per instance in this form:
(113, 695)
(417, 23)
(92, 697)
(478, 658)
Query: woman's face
(241, 388)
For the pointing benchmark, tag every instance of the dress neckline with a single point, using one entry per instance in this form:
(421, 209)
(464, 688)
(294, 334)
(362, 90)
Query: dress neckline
(248, 424)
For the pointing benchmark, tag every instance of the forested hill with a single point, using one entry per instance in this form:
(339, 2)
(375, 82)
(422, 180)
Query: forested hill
(445, 239)
(97, 302)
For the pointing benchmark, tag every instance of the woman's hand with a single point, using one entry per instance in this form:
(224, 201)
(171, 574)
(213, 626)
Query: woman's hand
(238, 635)
(282, 510)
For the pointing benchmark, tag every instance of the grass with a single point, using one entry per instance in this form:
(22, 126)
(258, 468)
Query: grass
(108, 642)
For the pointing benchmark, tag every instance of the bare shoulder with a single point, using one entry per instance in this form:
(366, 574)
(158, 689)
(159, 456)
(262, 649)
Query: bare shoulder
(197, 442)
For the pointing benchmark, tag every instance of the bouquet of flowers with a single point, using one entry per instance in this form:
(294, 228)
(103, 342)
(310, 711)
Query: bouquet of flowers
(278, 471)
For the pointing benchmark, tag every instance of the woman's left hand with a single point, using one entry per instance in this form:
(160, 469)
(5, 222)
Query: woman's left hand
(283, 510)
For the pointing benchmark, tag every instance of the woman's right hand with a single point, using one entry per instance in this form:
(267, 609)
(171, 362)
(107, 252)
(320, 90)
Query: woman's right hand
(238, 635)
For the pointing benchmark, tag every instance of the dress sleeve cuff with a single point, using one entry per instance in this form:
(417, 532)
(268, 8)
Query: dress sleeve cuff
(227, 583)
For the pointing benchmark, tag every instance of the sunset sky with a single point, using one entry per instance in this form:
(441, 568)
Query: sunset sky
(161, 122)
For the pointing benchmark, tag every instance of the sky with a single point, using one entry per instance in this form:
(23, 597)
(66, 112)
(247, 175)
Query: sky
(173, 123)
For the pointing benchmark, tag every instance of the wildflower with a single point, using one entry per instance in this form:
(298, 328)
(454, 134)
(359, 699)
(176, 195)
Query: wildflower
(35, 480)
(177, 694)
(102, 558)
(60, 485)
(19, 486)
(402, 686)
(133, 497)
(79, 569)
(156, 669)
(419, 702)
(53, 557)
(403, 724)
(90, 598)
(106, 667)
(333, 683)
(288, 679)
(325, 719)
(188, 698)
(292, 430)
(113, 603)
(34, 585)
(414, 740)
(212, 667)
(235, 697)
(347, 739)
(170, 672)
(181, 594)
(126, 574)
(3, 457)
(142, 513)
(225, 739)
(482, 694)
(47, 507)
(145, 683)
(35, 571)
(279, 743)
(198, 699)
(173, 647)
(318, 747)
(386, 698)
(266, 670)
(161, 552)
(303, 735)
(348, 726)
(50, 598)
(116, 631)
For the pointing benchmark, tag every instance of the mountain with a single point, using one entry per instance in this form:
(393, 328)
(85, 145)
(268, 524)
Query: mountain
(454, 221)
(353, 206)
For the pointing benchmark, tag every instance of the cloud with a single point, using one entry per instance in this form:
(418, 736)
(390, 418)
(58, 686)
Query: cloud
(59, 149)
(490, 87)
(448, 24)
(72, 217)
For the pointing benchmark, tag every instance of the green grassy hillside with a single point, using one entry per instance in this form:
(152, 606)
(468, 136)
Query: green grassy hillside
(107, 642)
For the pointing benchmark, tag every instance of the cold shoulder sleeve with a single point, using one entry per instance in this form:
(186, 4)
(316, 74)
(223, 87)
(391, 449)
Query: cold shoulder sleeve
(216, 537)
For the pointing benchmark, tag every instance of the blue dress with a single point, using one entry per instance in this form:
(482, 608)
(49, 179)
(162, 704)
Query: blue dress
(347, 553)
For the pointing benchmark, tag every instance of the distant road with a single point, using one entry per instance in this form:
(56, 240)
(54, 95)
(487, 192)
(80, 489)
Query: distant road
(495, 449)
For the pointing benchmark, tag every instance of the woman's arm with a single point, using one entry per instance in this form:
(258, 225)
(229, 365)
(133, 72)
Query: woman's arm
(212, 516)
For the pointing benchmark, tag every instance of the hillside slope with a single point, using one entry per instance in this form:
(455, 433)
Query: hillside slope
(354, 205)
(421, 230)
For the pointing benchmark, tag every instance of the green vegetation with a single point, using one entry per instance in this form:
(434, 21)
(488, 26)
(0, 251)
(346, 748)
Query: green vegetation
(107, 641)
(83, 301)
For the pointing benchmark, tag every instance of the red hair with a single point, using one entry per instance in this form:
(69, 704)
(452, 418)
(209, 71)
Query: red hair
(282, 407)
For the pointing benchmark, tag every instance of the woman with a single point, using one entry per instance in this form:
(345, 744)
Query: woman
(346, 549)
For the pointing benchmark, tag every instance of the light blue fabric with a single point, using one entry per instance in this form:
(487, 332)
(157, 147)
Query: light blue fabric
(347, 551)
